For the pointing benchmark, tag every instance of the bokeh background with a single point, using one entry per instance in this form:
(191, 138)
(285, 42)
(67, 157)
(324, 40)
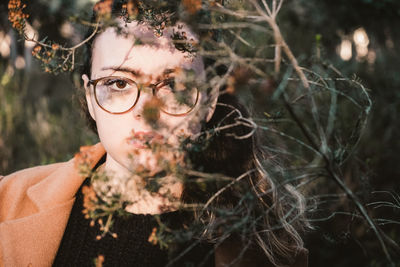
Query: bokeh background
(41, 123)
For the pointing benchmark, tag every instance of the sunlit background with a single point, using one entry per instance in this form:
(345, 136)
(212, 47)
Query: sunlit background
(40, 121)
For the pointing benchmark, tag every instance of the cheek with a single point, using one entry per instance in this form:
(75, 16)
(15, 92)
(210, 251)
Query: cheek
(180, 127)
(113, 132)
(112, 140)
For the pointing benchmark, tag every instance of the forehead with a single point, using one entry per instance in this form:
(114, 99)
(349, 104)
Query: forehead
(136, 47)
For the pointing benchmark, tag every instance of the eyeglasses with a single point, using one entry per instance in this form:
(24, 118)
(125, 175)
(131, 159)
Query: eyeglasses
(118, 95)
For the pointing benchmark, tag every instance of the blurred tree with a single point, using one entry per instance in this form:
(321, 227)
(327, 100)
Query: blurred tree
(38, 123)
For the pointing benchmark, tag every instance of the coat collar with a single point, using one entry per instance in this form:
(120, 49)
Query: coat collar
(34, 237)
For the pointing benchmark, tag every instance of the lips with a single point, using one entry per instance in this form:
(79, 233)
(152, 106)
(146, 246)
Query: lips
(137, 144)
(141, 139)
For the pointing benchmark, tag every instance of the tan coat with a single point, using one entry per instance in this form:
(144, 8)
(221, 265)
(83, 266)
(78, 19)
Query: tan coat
(35, 204)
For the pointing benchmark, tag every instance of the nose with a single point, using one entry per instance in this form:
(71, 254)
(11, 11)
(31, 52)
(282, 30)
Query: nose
(147, 107)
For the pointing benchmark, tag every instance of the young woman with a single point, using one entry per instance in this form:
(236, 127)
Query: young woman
(248, 221)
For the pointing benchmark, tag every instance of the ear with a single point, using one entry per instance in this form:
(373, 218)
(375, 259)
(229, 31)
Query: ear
(89, 102)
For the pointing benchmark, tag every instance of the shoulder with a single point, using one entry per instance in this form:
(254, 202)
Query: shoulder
(14, 187)
(17, 181)
(30, 173)
(32, 190)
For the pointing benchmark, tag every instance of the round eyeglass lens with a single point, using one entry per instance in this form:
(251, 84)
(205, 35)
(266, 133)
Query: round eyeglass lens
(176, 98)
(116, 94)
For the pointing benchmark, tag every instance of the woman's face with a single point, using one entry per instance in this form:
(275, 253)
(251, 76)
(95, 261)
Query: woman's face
(140, 56)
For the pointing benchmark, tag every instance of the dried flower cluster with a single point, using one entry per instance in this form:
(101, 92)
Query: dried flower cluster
(151, 110)
(110, 195)
(130, 10)
(153, 237)
(89, 200)
(182, 43)
(192, 6)
(161, 236)
(57, 58)
(99, 261)
(53, 56)
(103, 9)
(83, 159)
(16, 15)
(156, 19)
(166, 159)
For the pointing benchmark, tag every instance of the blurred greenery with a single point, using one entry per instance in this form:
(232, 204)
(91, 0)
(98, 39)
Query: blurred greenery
(40, 121)
(343, 241)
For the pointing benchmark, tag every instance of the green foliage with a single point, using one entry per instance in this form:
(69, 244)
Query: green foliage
(338, 128)
(36, 122)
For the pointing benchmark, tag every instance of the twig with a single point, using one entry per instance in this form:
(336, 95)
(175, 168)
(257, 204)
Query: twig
(70, 50)
(219, 192)
(280, 42)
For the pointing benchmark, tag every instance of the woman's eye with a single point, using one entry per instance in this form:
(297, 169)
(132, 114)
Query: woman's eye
(167, 86)
(120, 84)
(170, 83)
(117, 84)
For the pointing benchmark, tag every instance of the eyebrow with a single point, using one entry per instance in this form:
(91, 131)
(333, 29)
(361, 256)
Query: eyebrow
(134, 72)
(129, 70)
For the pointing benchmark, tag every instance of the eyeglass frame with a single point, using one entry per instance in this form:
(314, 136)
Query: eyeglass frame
(152, 86)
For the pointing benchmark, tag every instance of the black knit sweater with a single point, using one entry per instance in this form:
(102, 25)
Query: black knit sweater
(79, 246)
